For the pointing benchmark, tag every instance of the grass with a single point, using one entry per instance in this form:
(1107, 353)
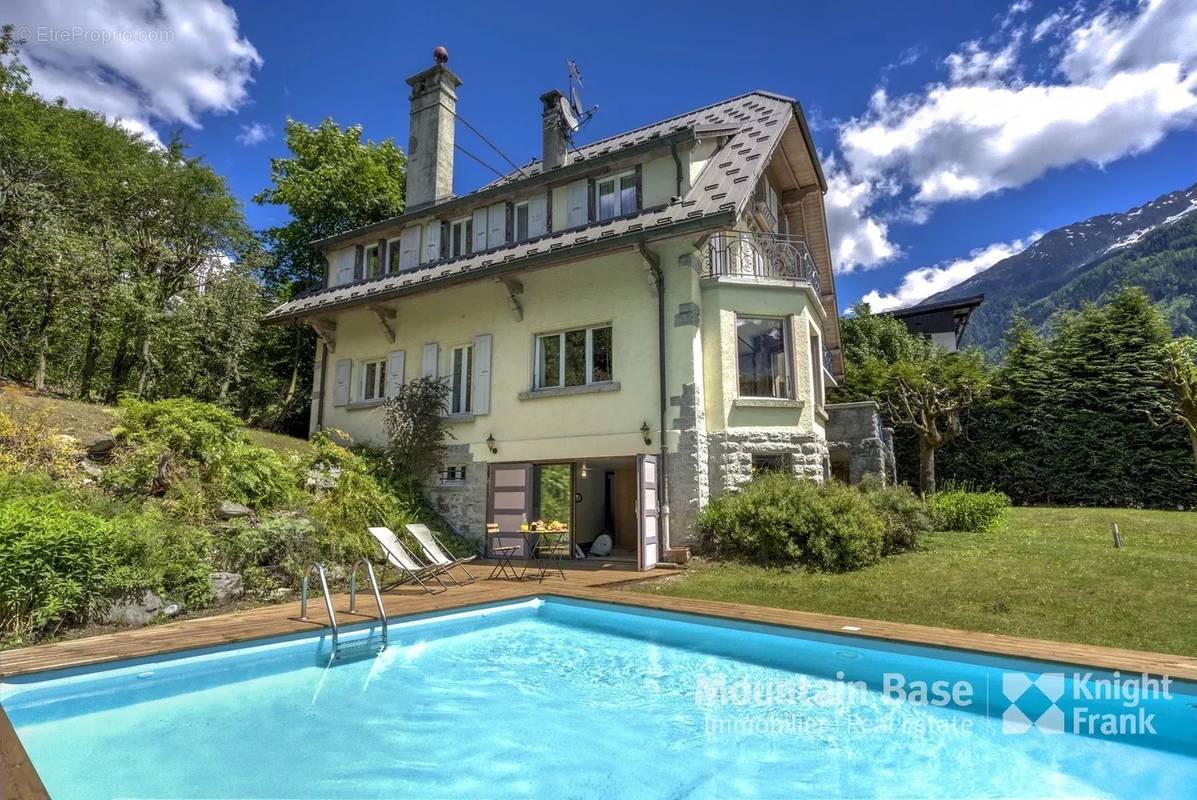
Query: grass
(77, 418)
(1046, 573)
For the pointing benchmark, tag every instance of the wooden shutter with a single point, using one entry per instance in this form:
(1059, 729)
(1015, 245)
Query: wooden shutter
(344, 371)
(592, 200)
(639, 190)
(481, 379)
(548, 210)
(467, 244)
(496, 225)
(395, 365)
(359, 260)
(344, 273)
(509, 224)
(648, 511)
(576, 203)
(432, 242)
(445, 237)
(536, 217)
(409, 247)
(431, 357)
(382, 256)
(480, 230)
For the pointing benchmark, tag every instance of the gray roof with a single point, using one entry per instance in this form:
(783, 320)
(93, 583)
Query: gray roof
(717, 198)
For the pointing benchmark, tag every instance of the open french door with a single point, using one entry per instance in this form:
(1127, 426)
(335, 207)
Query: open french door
(647, 511)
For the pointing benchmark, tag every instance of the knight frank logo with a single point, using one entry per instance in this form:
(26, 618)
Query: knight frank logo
(1016, 686)
(1096, 705)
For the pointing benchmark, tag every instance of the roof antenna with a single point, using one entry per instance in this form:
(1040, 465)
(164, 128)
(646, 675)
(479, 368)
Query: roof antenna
(573, 113)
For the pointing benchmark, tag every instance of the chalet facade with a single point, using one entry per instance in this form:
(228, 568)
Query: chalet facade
(627, 329)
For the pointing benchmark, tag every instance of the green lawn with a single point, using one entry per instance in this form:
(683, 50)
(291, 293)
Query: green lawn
(1048, 573)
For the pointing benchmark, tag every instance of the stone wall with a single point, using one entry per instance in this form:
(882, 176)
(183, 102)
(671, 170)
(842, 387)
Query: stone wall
(687, 469)
(731, 452)
(856, 437)
(462, 504)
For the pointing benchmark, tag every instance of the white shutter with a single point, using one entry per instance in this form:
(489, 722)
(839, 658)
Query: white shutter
(431, 356)
(496, 225)
(481, 380)
(395, 372)
(341, 388)
(409, 247)
(480, 230)
(577, 203)
(343, 267)
(537, 217)
(432, 242)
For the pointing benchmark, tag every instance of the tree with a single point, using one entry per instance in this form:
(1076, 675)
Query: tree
(414, 420)
(870, 342)
(1181, 376)
(332, 182)
(928, 391)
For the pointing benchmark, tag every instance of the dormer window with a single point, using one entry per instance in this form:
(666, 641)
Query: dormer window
(373, 262)
(616, 196)
(460, 236)
(521, 221)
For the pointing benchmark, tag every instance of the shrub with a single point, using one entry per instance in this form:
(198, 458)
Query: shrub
(778, 519)
(414, 420)
(152, 551)
(34, 444)
(275, 552)
(905, 516)
(191, 429)
(54, 564)
(254, 475)
(960, 510)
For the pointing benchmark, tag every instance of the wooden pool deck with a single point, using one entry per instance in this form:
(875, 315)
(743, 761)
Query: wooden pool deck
(19, 780)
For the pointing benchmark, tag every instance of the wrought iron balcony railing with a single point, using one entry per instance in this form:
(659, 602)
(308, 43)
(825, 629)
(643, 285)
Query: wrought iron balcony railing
(746, 254)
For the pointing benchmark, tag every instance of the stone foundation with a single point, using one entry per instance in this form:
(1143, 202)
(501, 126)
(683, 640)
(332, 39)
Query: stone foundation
(686, 469)
(731, 452)
(858, 442)
(462, 504)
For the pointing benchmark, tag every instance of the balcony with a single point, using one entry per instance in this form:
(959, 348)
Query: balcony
(757, 256)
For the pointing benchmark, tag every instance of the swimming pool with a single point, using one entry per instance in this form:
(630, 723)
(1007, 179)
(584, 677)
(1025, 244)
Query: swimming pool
(566, 698)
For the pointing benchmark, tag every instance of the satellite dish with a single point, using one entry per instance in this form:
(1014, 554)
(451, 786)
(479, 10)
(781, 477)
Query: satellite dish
(568, 118)
(573, 113)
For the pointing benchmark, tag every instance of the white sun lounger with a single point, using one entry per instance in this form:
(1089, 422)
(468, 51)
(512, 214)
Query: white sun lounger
(437, 554)
(398, 556)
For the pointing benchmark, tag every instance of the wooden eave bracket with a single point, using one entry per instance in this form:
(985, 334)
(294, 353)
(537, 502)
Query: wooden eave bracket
(326, 329)
(514, 287)
(385, 314)
(652, 266)
(792, 197)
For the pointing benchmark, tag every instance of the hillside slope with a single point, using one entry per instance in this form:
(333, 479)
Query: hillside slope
(1149, 246)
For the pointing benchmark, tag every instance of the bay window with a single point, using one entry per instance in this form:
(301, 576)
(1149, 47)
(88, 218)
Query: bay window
(762, 351)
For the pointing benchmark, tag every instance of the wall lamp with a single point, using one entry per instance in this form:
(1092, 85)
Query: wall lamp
(644, 431)
(490, 443)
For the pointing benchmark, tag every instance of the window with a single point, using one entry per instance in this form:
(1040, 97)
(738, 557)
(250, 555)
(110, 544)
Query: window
(574, 358)
(816, 368)
(373, 266)
(459, 238)
(394, 254)
(761, 345)
(374, 380)
(770, 462)
(521, 221)
(616, 196)
(461, 380)
(453, 473)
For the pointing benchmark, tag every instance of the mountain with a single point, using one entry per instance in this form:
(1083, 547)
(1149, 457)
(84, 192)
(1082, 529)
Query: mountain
(1153, 246)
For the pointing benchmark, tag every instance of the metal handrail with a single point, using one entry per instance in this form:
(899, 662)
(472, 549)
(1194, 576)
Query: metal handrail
(382, 614)
(303, 601)
(749, 254)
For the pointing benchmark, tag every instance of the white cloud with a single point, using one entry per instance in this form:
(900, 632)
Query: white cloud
(859, 241)
(255, 133)
(138, 62)
(1125, 81)
(919, 284)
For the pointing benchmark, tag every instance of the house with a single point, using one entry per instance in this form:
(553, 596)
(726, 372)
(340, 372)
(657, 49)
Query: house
(943, 322)
(628, 328)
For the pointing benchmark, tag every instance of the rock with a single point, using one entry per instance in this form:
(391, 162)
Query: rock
(230, 510)
(226, 586)
(91, 469)
(98, 445)
(134, 611)
(66, 440)
(281, 594)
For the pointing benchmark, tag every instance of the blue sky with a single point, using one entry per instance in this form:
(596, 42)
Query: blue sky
(997, 120)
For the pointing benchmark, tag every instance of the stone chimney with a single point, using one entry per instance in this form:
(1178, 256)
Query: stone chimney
(430, 143)
(554, 129)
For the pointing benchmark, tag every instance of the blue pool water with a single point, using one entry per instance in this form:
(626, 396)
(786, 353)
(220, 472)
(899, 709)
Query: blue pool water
(564, 699)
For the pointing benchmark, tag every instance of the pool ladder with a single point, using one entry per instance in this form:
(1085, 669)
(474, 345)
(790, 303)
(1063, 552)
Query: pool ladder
(357, 646)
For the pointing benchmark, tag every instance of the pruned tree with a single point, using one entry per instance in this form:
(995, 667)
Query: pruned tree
(928, 391)
(1181, 375)
(414, 420)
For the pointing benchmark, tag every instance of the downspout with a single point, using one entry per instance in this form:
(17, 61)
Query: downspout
(323, 377)
(654, 266)
(677, 160)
